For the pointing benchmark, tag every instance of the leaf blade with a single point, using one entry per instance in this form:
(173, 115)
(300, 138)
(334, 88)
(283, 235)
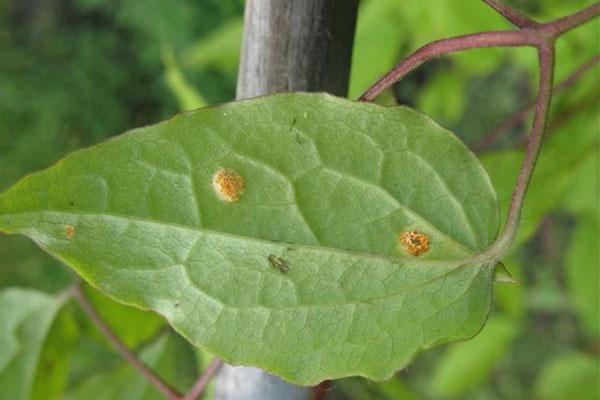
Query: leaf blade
(330, 184)
(26, 318)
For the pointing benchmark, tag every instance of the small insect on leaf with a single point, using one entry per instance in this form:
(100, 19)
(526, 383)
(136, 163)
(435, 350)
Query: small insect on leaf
(228, 185)
(279, 263)
(416, 243)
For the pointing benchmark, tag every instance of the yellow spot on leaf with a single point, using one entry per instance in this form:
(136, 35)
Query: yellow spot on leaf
(69, 231)
(416, 243)
(228, 185)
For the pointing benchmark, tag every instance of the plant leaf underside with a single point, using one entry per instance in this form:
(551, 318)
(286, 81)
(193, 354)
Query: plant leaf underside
(268, 231)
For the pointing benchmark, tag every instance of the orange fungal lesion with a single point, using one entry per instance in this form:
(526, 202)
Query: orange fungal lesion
(228, 184)
(69, 231)
(415, 242)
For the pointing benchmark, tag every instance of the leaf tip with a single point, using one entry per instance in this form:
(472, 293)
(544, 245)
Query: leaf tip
(502, 275)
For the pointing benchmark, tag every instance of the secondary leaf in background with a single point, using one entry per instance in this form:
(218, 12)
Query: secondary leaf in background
(23, 265)
(329, 186)
(582, 259)
(555, 165)
(132, 325)
(466, 365)
(26, 316)
(220, 49)
(396, 389)
(169, 356)
(54, 366)
(362, 389)
(442, 96)
(583, 272)
(570, 376)
(581, 198)
(371, 55)
(187, 95)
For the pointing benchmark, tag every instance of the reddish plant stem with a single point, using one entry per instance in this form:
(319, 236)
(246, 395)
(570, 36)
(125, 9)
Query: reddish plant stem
(520, 115)
(562, 25)
(546, 59)
(450, 45)
(164, 388)
(203, 380)
(514, 16)
(321, 390)
(531, 36)
(541, 36)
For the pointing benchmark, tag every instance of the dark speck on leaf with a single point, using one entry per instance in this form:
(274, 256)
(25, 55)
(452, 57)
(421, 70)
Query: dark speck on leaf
(300, 139)
(279, 264)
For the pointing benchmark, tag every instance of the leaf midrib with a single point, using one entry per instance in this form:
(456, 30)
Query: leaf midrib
(352, 253)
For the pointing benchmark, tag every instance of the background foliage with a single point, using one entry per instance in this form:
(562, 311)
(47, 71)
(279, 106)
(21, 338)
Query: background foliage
(74, 72)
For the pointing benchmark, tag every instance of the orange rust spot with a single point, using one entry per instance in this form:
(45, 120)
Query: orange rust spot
(228, 184)
(416, 243)
(69, 231)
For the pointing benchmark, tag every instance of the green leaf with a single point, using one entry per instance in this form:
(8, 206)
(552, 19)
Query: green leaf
(304, 275)
(219, 49)
(26, 316)
(203, 360)
(502, 275)
(581, 197)
(55, 362)
(562, 156)
(442, 95)
(583, 274)
(133, 326)
(187, 96)
(372, 56)
(570, 376)
(466, 365)
(396, 389)
(169, 356)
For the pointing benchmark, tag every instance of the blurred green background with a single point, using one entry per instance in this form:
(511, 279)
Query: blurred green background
(74, 72)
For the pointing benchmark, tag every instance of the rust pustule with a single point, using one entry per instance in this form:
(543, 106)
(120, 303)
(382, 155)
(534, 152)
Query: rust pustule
(415, 242)
(228, 184)
(69, 231)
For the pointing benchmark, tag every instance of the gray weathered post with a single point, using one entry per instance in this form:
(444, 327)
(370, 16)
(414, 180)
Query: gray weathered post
(289, 45)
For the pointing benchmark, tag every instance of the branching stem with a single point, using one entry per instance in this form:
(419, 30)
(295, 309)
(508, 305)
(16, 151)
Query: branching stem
(530, 33)
(441, 47)
(76, 292)
(514, 16)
